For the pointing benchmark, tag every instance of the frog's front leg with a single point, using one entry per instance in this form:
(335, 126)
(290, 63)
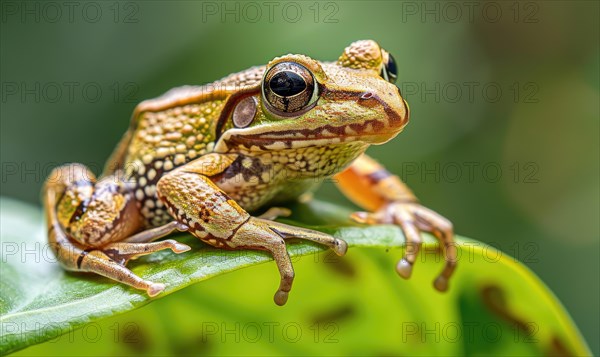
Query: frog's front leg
(193, 199)
(89, 222)
(372, 187)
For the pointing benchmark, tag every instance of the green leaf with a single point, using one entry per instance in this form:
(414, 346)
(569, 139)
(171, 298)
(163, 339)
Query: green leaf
(495, 305)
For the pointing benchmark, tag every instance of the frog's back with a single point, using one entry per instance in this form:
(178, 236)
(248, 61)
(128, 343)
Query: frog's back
(169, 131)
(191, 111)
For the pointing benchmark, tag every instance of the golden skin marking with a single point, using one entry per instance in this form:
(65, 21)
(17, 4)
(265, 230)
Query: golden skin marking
(201, 159)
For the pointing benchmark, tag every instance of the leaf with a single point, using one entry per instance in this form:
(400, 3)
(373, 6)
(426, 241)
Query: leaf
(491, 294)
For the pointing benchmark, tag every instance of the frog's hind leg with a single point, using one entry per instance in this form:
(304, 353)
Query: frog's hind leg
(194, 199)
(89, 244)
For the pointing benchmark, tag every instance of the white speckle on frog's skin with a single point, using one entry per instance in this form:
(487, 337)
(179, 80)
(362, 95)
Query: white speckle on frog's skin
(150, 190)
(139, 194)
(151, 174)
(140, 167)
(162, 152)
(179, 159)
(147, 159)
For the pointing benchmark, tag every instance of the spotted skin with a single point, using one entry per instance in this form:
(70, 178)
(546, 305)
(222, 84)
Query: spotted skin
(184, 165)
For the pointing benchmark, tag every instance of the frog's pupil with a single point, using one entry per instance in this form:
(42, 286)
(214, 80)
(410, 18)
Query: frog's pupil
(287, 84)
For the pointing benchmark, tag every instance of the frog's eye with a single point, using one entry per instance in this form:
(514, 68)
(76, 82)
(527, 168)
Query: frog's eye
(389, 71)
(289, 89)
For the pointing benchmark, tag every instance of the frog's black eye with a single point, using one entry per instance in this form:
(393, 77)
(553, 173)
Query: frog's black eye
(289, 89)
(389, 71)
(287, 84)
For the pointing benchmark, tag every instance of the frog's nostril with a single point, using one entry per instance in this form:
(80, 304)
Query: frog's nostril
(366, 95)
(368, 99)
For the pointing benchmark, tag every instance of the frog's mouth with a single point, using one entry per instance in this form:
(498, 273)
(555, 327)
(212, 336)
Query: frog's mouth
(370, 132)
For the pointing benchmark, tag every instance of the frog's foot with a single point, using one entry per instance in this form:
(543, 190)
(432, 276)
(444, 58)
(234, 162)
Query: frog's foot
(257, 233)
(413, 218)
(109, 261)
(96, 261)
(75, 257)
(275, 212)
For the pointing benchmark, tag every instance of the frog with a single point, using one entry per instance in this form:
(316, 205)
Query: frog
(205, 159)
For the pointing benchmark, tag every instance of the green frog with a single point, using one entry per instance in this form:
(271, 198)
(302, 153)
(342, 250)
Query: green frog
(201, 159)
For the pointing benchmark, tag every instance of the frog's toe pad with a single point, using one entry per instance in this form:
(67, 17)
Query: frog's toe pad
(404, 268)
(155, 289)
(281, 297)
(341, 247)
(180, 247)
(441, 283)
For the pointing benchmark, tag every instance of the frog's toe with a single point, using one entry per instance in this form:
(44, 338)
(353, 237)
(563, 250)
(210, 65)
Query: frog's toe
(340, 247)
(441, 283)
(155, 289)
(281, 297)
(363, 217)
(404, 268)
(177, 247)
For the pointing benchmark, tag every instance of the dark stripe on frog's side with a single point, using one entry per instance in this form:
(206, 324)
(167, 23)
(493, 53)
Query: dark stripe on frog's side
(338, 130)
(234, 231)
(256, 169)
(82, 255)
(264, 139)
(82, 207)
(377, 176)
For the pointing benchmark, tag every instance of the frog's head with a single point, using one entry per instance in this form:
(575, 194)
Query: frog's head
(302, 102)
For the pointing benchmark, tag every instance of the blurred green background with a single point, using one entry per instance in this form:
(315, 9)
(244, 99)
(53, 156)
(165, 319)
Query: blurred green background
(504, 132)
